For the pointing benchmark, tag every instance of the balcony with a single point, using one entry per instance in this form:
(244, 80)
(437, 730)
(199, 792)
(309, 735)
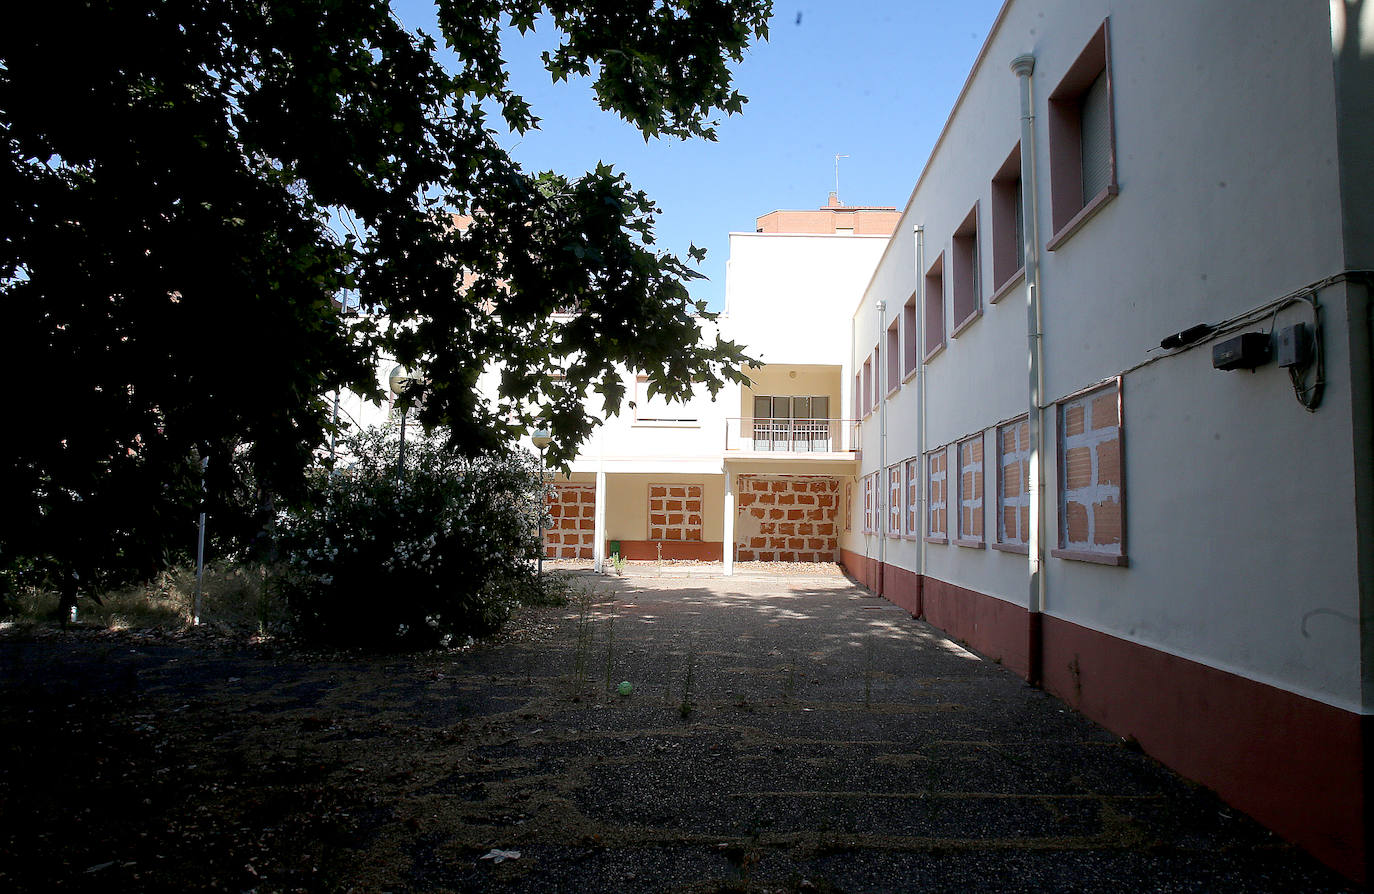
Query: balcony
(793, 438)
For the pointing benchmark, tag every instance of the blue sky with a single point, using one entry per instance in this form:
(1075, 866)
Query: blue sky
(871, 79)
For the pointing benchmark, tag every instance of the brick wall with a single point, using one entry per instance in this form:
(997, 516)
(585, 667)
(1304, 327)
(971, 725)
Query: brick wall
(787, 519)
(573, 507)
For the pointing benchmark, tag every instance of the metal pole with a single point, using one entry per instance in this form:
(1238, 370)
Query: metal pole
(401, 458)
(542, 501)
(200, 547)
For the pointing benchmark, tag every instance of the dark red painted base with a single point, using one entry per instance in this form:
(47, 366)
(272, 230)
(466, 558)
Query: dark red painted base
(647, 550)
(1294, 764)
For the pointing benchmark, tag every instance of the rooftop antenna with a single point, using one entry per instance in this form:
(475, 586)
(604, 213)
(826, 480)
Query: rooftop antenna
(837, 177)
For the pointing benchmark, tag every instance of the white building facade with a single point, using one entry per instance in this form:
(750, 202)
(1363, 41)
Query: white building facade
(1180, 551)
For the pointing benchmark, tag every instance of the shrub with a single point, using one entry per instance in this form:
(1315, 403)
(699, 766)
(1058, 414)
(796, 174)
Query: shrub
(442, 553)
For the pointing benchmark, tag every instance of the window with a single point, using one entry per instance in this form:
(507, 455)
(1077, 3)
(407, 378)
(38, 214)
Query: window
(849, 505)
(970, 491)
(937, 493)
(894, 355)
(963, 261)
(657, 408)
(909, 327)
(935, 307)
(1082, 142)
(913, 497)
(857, 408)
(790, 422)
(1013, 485)
(868, 504)
(1008, 224)
(866, 402)
(894, 501)
(1091, 504)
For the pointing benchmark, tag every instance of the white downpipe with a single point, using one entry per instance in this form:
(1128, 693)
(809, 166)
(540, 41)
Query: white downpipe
(728, 547)
(599, 513)
(880, 497)
(1023, 67)
(920, 233)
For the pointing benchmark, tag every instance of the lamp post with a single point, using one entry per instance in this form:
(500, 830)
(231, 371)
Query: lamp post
(399, 381)
(541, 439)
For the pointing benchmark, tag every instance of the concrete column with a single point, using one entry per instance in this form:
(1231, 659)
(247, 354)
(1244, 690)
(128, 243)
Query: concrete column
(599, 541)
(728, 547)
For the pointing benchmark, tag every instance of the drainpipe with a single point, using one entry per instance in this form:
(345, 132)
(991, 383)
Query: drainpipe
(879, 497)
(1022, 67)
(919, 231)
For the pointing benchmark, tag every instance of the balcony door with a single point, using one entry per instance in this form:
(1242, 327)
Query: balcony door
(791, 423)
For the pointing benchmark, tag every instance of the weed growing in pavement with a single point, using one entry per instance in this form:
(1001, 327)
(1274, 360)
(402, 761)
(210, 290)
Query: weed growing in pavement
(789, 682)
(685, 709)
(610, 645)
(869, 650)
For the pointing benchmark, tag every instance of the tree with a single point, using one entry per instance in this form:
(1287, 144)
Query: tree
(175, 176)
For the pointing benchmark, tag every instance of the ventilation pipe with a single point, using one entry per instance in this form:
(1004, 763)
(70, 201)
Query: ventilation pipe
(880, 495)
(919, 231)
(1022, 67)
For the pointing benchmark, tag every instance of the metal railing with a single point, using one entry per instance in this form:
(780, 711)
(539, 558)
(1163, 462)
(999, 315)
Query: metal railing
(760, 435)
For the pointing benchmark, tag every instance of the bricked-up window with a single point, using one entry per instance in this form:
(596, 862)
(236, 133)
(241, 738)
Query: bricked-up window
(1008, 222)
(894, 355)
(913, 497)
(572, 530)
(937, 496)
(970, 491)
(1082, 144)
(1013, 484)
(868, 504)
(1091, 504)
(675, 512)
(894, 501)
(963, 262)
(935, 307)
(909, 356)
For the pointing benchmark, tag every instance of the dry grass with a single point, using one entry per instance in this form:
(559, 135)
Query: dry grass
(238, 596)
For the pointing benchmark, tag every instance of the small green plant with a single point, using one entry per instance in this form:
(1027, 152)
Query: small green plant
(585, 633)
(619, 562)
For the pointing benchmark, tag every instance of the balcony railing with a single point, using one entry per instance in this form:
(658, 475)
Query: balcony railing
(787, 435)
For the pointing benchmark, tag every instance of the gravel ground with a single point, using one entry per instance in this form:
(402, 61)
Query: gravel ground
(793, 734)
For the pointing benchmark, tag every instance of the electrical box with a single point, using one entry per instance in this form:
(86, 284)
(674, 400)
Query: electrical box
(1295, 346)
(1245, 351)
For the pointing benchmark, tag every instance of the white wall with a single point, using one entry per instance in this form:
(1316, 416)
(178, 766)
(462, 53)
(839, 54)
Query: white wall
(1240, 516)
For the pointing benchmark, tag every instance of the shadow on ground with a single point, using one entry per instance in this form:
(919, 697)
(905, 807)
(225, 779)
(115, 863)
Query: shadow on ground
(794, 734)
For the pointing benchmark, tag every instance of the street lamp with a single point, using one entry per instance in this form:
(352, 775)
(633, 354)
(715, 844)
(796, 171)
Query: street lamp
(399, 381)
(541, 439)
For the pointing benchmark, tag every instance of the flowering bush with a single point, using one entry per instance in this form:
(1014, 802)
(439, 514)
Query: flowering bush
(445, 551)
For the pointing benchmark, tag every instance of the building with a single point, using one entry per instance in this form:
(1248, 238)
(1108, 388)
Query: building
(1096, 401)
(1053, 468)
(763, 468)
